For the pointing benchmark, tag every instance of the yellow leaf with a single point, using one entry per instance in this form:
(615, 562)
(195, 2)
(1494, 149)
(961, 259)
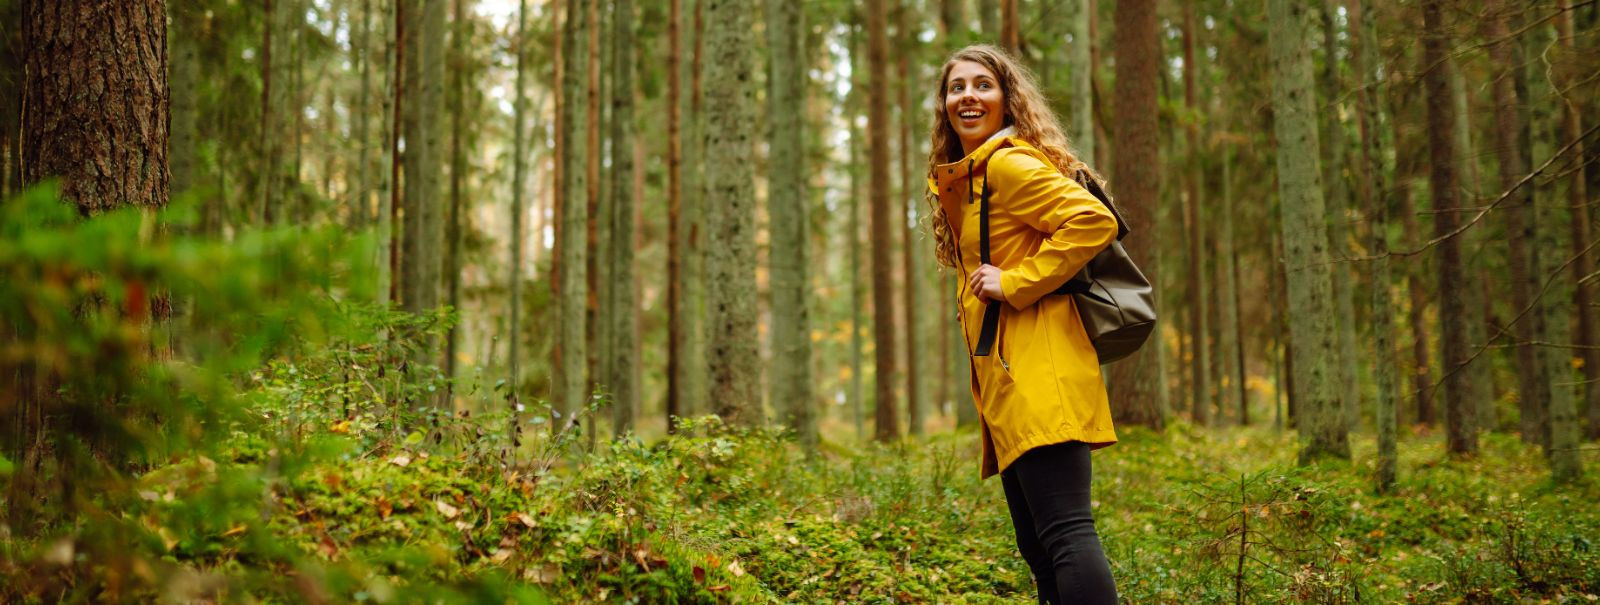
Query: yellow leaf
(445, 509)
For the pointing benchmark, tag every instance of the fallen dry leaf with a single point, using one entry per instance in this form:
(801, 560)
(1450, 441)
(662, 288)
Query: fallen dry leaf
(445, 509)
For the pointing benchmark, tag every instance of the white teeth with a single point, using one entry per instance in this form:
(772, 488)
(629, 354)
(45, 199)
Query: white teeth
(970, 114)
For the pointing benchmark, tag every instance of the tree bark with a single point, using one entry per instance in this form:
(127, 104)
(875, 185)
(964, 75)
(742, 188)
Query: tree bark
(568, 386)
(911, 192)
(1199, 288)
(1443, 185)
(1136, 175)
(518, 162)
(676, 339)
(1587, 335)
(1009, 35)
(421, 263)
(878, 91)
(730, 215)
(622, 314)
(1337, 202)
(458, 178)
(1310, 310)
(786, 207)
(97, 101)
(1080, 67)
(1533, 389)
(1373, 193)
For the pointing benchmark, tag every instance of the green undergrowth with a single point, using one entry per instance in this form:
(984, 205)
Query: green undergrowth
(718, 515)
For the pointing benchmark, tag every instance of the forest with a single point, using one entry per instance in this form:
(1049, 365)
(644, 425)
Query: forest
(637, 301)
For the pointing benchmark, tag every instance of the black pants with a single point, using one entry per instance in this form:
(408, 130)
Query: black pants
(1047, 490)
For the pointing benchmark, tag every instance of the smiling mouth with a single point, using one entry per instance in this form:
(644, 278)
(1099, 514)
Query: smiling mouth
(970, 114)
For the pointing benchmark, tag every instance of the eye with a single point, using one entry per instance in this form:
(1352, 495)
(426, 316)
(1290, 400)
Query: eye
(985, 85)
(956, 87)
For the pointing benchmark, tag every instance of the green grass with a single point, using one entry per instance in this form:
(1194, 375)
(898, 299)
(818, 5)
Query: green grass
(717, 515)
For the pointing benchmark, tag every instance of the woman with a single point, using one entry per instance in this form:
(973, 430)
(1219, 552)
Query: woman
(1041, 403)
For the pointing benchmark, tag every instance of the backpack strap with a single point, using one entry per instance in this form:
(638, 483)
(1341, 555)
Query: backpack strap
(991, 311)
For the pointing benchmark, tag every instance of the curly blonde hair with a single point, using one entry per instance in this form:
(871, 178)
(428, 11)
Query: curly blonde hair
(1025, 109)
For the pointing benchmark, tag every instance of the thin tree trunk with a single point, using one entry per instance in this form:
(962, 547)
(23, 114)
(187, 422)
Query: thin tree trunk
(1009, 36)
(1373, 190)
(1310, 311)
(1533, 389)
(1337, 193)
(786, 205)
(1587, 335)
(676, 235)
(877, 92)
(730, 218)
(1559, 430)
(570, 397)
(853, 229)
(1199, 289)
(458, 177)
(1080, 67)
(1473, 296)
(911, 191)
(989, 19)
(623, 313)
(518, 162)
(1443, 185)
(389, 189)
(952, 20)
(1228, 286)
(361, 56)
(422, 260)
(185, 106)
(1136, 175)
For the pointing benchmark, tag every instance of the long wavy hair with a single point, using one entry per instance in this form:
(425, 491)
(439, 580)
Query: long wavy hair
(1026, 110)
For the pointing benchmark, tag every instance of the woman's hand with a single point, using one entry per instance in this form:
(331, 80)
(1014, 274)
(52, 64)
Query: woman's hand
(985, 283)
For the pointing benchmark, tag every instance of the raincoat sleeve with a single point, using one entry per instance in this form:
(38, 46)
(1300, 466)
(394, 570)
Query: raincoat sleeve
(1077, 224)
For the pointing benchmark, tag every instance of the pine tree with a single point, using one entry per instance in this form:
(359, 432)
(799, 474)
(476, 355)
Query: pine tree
(1441, 116)
(886, 427)
(1373, 192)
(786, 203)
(1136, 179)
(730, 215)
(1309, 312)
(622, 314)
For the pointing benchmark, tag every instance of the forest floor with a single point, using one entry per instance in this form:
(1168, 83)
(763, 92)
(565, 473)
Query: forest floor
(718, 515)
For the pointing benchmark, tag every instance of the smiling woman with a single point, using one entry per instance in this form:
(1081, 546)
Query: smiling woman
(1041, 404)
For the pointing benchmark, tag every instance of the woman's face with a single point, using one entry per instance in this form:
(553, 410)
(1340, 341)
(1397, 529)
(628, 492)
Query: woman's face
(974, 103)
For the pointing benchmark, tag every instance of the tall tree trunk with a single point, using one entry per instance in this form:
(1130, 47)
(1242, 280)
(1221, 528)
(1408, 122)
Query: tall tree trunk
(1373, 191)
(1473, 297)
(458, 178)
(952, 21)
(422, 260)
(730, 215)
(697, 375)
(269, 140)
(11, 70)
(1337, 193)
(989, 20)
(1559, 431)
(518, 164)
(1010, 38)
(1533, 384)
(1588, 332)
(1199, 288)
(1443, 185)
(877, 92)
(569, 352)
(1080, 69)
(97, 101)
(786, 207)
(1310, 287)
(676, 235)
(622, 315)
(186, 22)
(911, 192)
(95, 88)
(1228, 288)
(1136, 177)
(853, 228)
(361, 57)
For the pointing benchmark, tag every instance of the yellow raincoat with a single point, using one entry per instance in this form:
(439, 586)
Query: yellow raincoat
(1041, 382)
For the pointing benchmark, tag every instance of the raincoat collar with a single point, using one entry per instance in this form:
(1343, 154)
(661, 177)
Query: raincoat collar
(945, 175)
